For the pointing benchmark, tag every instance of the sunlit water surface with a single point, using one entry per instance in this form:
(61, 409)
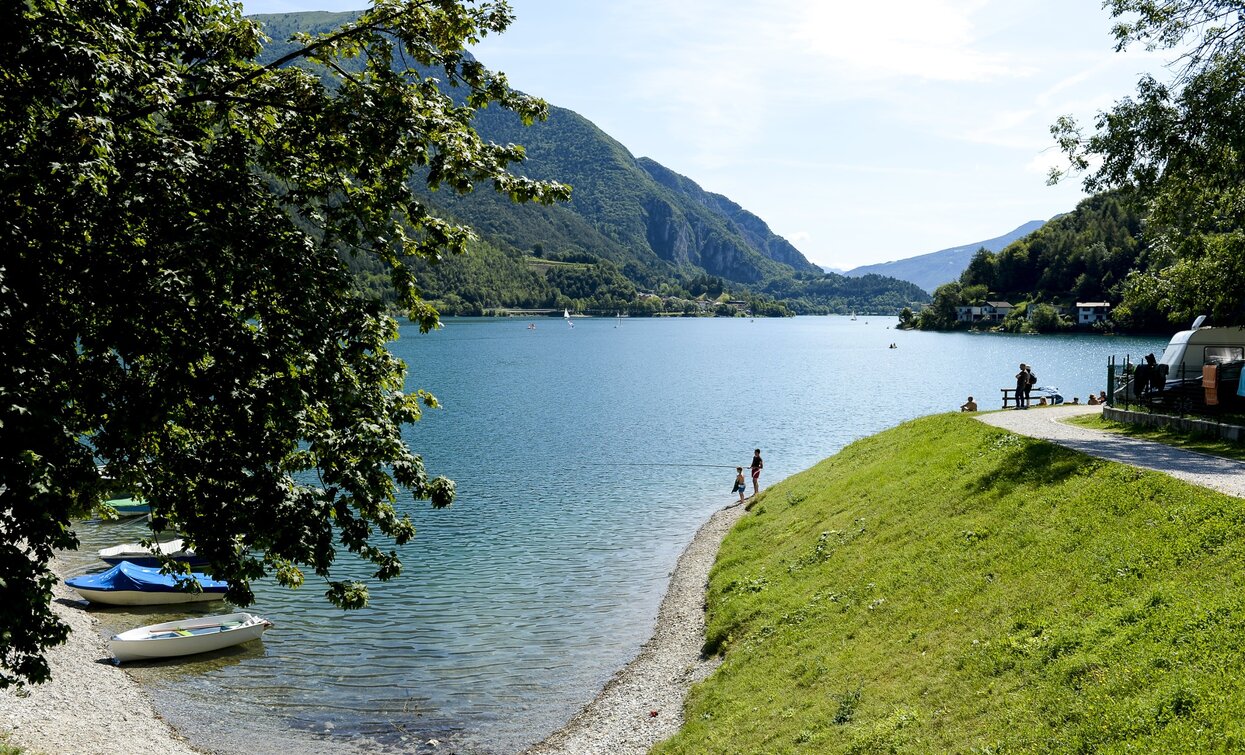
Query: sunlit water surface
(586, 458)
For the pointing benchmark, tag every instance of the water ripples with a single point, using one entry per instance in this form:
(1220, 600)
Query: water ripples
(544, 578)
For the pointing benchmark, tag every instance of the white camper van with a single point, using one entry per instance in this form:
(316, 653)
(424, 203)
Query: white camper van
(1188, 350)
(1176, 377)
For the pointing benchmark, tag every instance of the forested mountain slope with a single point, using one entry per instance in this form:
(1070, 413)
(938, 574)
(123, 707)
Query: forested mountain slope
(631, 226)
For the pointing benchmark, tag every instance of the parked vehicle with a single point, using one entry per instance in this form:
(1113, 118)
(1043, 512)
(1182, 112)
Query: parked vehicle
(1175, 380)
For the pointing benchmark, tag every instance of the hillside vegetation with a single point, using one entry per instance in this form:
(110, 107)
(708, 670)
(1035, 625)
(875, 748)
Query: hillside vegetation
(652, 234)
(931, 270)
(950, 587)
(1085, 255)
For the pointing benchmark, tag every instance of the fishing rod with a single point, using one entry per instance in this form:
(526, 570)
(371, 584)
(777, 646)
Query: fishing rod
(654, 464)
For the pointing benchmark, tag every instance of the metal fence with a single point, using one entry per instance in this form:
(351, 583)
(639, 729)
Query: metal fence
(1208, 391)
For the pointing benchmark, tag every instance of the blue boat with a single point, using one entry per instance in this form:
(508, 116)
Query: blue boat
(127, 584)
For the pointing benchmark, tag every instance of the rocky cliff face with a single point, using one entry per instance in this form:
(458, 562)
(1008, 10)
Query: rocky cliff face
(752, 229)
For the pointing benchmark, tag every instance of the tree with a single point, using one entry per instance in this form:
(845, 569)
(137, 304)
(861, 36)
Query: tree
(1180, 145)
(1044, 318)
(174, 303)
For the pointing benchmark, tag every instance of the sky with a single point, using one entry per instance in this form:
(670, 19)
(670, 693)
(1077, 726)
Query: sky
(861, 133)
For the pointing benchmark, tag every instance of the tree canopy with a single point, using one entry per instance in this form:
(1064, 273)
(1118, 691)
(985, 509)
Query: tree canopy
(1180, 147)
(176, 316)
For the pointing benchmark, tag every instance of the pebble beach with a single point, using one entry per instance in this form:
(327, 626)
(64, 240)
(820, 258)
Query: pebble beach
(92, 707)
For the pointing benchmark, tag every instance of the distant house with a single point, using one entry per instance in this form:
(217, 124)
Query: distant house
(995, 311)
(991, 311)
(1090, 312)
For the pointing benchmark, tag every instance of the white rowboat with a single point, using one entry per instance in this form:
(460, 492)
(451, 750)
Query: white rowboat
(186, 637)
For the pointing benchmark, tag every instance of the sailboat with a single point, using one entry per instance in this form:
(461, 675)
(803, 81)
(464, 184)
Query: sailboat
(567, 314)
(618, 324)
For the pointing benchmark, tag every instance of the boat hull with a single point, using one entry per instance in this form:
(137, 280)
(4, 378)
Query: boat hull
(129, 585)
(174, 639)
(139, 555)
(142, 598)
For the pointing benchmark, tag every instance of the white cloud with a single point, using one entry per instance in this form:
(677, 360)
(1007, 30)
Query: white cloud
(920, 39)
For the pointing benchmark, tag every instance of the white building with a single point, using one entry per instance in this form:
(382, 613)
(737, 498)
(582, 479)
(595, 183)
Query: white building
(1090, 312)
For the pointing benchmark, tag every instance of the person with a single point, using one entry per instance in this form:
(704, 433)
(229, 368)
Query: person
(1102, 397)
(1022, 386)
(740, 487)
(757, 466)
(1076, 400)
(1093, 400)
(969, 406)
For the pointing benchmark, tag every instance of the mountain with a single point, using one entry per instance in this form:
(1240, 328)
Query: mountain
(631, 222)
(929, 271)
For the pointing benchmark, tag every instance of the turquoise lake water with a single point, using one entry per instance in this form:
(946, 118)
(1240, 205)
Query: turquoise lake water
(585, 458)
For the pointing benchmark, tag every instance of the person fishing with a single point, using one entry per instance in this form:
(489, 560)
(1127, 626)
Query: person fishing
(757, 466)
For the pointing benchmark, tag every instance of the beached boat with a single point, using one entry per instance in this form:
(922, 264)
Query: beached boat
(187, 636)
(129, 585)
(129, 506)
(140, 555)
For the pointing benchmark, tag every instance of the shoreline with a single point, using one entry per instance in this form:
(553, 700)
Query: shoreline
(93, 706)
(620, 719)
(90, 705)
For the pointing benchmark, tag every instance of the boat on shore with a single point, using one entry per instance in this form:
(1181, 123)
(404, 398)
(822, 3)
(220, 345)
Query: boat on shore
(128, 506)
(127, 584)
(173, 639)
(140, 555)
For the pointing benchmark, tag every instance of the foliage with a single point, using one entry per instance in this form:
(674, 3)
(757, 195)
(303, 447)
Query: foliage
(839, 294)
(1081, 256)
(1043, 318)
(173, 302)
(655, 226)
(945, 586)
(1180, 149)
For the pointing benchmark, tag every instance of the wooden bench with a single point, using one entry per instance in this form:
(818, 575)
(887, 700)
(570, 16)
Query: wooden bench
(1009, 397)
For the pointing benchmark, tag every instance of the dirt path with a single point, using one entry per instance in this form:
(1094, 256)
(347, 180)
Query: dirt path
(1223, 475)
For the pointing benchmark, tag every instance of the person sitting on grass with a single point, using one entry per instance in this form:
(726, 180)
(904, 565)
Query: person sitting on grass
(969, 406)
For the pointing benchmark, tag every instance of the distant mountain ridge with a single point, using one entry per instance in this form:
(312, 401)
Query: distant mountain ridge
(929, 271)
(643, 223)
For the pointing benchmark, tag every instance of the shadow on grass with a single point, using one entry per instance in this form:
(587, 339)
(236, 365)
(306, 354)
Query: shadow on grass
(1029, 465)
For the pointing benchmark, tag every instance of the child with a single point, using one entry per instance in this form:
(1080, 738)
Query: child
(739, 483)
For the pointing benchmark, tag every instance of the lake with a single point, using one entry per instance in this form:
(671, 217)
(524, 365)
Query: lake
(586, 458)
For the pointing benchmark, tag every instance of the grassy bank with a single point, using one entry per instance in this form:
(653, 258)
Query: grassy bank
(946, 586)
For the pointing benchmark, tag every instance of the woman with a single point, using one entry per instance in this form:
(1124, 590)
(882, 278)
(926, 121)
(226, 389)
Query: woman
(757, 466)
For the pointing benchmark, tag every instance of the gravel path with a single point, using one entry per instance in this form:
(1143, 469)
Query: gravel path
(1224, 475)
(90, 707)
(643, 704)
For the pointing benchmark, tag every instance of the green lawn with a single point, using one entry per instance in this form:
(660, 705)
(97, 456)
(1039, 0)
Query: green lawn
(1193, 442)
(950, 587)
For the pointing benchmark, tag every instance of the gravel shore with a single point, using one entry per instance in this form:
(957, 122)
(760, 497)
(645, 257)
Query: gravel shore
(643, 704)
(90, 707)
